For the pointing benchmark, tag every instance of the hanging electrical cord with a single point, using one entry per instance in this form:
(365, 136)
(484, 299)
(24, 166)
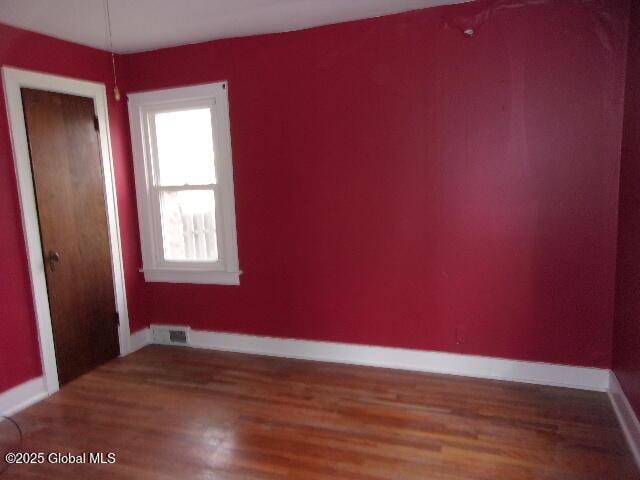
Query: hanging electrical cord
(116, 90)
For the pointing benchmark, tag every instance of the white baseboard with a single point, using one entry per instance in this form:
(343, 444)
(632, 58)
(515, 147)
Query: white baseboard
(401, 358)
(26, 394)
(140, 339)
(626, 416)
(22, 396)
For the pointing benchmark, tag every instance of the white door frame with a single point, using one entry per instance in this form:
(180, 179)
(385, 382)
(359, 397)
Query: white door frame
(14, 80)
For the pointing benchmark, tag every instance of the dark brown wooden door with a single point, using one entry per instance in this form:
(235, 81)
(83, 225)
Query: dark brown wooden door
(68, 180)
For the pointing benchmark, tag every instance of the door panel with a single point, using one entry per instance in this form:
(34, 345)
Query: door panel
(69, 186)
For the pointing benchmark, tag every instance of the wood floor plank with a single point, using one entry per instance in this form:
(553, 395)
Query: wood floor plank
(169, 412)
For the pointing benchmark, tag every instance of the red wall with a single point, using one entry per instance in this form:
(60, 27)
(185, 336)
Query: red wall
(396, 183)
(19, 353)
(399, 184)
(626, 345)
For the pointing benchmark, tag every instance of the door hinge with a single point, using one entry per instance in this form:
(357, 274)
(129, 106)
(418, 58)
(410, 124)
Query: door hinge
(96, 124)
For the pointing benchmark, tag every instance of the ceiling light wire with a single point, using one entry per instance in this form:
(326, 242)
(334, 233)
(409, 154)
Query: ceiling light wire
(116, 90)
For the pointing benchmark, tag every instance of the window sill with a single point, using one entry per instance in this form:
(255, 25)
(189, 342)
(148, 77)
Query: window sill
(186, 276)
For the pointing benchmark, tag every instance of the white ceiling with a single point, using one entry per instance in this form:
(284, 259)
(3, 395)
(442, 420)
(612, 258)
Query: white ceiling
(140, 25)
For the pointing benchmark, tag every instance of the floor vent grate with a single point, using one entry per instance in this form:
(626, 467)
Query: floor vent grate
(170, 334)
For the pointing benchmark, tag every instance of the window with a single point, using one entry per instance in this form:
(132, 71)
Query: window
(184, 184)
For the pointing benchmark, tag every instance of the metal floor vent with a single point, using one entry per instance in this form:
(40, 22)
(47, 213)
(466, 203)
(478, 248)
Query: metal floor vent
(170, 334)
(177, 336)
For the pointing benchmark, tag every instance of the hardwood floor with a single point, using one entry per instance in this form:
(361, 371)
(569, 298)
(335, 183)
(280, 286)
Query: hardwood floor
(175, 413)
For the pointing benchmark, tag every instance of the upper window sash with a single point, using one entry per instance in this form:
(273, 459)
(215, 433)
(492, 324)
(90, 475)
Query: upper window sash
(154, 153)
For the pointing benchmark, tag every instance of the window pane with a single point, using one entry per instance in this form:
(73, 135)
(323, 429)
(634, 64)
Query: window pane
(185, 147)
(188, 225)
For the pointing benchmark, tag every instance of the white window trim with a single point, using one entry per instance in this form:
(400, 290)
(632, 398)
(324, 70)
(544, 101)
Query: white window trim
(226, 271)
